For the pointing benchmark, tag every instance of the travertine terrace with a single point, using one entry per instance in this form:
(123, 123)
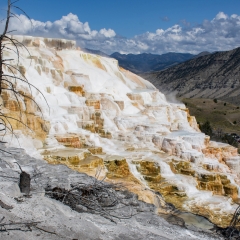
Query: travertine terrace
(100, 115)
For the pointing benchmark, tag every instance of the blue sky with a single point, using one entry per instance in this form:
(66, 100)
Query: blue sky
(130, 17)
(137, 26)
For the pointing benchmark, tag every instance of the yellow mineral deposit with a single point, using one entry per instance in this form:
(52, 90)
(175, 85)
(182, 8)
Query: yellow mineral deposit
(69, 141)
(101, 116)
(94, 60)
(94, 103)
(77, 90)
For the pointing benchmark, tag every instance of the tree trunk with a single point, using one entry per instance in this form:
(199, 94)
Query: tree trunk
(24, 183)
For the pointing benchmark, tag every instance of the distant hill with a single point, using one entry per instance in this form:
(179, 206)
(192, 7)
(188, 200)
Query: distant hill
(147, 62)
(98, 52)
(215, 75)
(202, 54)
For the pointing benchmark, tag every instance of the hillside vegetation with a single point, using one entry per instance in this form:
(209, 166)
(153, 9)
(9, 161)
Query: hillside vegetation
(221, 115)
(212, 76)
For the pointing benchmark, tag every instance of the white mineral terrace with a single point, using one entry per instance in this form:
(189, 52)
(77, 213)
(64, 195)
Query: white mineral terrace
(77, 85)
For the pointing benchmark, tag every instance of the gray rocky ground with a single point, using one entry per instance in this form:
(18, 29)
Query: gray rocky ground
(52, 219)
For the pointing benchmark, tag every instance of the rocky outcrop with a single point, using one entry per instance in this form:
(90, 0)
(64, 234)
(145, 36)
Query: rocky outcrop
(59, 44)
(70, 141)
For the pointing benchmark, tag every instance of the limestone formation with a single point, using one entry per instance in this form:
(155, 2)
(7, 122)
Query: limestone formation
(69, 141)
(103, 117)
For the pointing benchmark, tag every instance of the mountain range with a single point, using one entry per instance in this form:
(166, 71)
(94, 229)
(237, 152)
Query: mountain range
(215, 75)
(147, 62)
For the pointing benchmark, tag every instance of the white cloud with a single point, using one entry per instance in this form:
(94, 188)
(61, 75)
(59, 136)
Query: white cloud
(221, 15)
(107, 33)
(69, 27)
(219, 34)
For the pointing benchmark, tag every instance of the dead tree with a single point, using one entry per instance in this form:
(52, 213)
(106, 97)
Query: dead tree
(98, 197)
(232, 232)
(10, 78)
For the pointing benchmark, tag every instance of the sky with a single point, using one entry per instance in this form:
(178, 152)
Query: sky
(133, 26)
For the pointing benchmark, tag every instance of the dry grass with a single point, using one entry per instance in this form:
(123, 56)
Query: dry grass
(217, 114)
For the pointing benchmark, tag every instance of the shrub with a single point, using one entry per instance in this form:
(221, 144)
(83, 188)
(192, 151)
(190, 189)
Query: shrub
(215, 100)
(230, 140)
(206, 128)
(225, 104)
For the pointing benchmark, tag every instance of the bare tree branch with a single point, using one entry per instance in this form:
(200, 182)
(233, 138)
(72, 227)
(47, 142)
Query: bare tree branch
(9, 80)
